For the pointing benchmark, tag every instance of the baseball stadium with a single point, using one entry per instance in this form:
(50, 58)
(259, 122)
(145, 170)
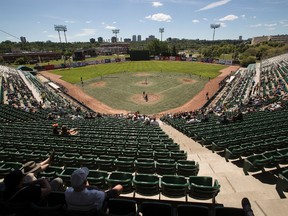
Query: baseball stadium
(180, 137)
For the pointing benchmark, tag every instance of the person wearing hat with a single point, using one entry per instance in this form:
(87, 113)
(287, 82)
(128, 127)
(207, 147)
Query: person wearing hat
(31, 168)
(82, 197)
(16, 191)
(22, 184)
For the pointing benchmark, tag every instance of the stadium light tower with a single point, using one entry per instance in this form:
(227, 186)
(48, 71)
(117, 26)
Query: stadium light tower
(214, 26)
(60, 28)
(161, 30)
(116, 31)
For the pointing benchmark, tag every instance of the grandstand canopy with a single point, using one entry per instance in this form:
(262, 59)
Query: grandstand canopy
(24, 68)
(53, 85)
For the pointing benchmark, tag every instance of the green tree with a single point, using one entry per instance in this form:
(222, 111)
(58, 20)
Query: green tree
(156, 47)
(173, 52)
(20, 61)
(248, 60)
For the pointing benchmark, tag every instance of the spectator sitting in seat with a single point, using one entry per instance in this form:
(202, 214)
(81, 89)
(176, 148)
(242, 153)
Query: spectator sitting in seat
(67, 132)
(205, 118)
(21, 186)
(224, 119)
(237, 117)
(55, 129)
(193, 120)
(82, 197)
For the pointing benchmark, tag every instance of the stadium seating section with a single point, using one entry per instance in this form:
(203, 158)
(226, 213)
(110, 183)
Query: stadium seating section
(145, 160)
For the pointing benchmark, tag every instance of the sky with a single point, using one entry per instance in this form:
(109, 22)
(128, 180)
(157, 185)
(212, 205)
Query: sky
(183, 19)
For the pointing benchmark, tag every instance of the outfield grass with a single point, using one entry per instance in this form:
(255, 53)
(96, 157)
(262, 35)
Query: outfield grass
(120, 85)
(90, 72)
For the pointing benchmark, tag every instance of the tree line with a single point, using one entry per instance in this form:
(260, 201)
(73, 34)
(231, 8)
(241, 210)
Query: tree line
(241, 52)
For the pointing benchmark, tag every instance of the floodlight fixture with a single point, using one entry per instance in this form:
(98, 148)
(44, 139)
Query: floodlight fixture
(214, 26)
(60, 28)
(161, 30)
(116, 31)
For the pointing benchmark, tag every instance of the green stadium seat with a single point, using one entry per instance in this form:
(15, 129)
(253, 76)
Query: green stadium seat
(123, 178)
(282, 181)
(125, 164)
(187, 168)
(203, 188)
(149, 208)
(174, 186)
(165, 167)
(255, 163)
(145, 165)
(122, 206)
(98, 178)
(220, 211)
(146, 184)
(190, 209)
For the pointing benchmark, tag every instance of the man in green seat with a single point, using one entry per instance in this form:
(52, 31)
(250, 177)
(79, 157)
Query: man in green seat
(83, 197)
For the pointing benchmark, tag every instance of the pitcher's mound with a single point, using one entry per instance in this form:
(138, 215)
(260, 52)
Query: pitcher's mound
(151, 99)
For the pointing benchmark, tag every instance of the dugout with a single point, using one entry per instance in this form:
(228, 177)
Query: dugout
(139, 55)
(78, 55)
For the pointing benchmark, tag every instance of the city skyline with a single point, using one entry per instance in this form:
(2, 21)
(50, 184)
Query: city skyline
(188, 19)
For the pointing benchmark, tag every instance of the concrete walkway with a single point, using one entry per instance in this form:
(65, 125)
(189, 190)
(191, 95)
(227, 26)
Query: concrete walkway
(259, 187)
(33, 89)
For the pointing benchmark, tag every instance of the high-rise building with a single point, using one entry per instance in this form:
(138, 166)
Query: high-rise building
(92, 40)
(134, 38)
(151, 37)
(113, 39)
(23, 39)
(100, 40)
(139, 38)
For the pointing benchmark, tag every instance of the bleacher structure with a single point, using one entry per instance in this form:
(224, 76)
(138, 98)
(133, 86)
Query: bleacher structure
(143, 158)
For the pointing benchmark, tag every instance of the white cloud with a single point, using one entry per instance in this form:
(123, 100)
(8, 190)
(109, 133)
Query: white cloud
(69, 21)
(283, 22)
(270, 25)
(86, 32)
(110, 27)
(271, 29)
(214, 4)
(88, 21)
(230, 17)
(157, 4)
(44, 31)
(205, 19)
(256, 25)
(254, 17)
(243, 16)
(195, 21)
(224, 25)
(160, 17)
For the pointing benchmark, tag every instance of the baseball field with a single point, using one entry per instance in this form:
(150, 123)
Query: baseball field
(146, 86)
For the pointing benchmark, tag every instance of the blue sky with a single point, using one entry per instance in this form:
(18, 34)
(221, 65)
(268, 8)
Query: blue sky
(189, 19)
